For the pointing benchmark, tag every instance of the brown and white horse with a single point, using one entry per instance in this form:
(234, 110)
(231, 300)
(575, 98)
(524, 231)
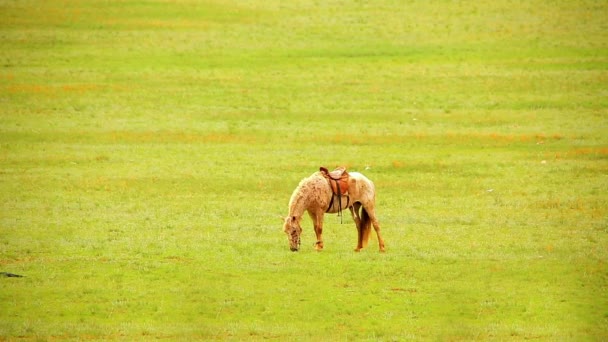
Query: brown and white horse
(314, 195)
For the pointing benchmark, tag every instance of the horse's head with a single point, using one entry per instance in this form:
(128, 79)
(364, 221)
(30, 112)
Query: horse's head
(293, 230)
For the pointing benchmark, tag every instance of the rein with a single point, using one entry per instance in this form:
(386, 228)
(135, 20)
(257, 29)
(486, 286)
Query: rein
(339, 197)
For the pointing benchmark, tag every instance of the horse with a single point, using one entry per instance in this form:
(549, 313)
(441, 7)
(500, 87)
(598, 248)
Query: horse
(314, 195)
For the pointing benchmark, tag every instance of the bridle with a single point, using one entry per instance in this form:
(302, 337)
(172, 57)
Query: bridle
(294, 231)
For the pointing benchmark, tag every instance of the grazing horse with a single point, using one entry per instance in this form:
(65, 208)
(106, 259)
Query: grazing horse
(314, 194)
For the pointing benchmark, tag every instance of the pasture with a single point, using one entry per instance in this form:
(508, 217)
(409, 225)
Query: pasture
(148, 150)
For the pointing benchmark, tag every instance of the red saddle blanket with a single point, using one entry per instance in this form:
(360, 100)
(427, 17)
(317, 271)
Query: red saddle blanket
(338, 179)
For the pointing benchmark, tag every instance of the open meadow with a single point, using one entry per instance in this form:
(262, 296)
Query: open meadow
(148, 150)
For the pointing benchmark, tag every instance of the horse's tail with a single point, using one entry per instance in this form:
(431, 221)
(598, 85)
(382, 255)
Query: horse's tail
(366, 227)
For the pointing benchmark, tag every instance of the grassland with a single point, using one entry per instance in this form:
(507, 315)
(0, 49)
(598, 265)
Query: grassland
(149, 148)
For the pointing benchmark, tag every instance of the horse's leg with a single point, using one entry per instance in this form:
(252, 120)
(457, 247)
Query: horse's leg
(317, 220)
(371, 211)
(355, 212)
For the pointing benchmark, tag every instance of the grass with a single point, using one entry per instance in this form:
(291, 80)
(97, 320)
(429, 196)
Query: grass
(148, 150)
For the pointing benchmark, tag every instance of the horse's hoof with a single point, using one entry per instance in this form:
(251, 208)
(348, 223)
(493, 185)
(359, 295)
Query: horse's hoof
(357, 250)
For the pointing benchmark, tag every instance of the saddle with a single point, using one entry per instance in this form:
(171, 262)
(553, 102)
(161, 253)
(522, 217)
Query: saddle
(338, 180)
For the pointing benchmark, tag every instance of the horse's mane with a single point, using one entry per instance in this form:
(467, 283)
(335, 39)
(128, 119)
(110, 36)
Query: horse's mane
(300, 196)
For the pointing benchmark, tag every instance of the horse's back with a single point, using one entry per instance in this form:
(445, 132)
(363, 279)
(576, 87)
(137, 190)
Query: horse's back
(361, 187)
(359, 177)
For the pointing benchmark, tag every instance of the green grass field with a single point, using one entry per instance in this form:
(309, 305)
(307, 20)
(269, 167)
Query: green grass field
(148, 150)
